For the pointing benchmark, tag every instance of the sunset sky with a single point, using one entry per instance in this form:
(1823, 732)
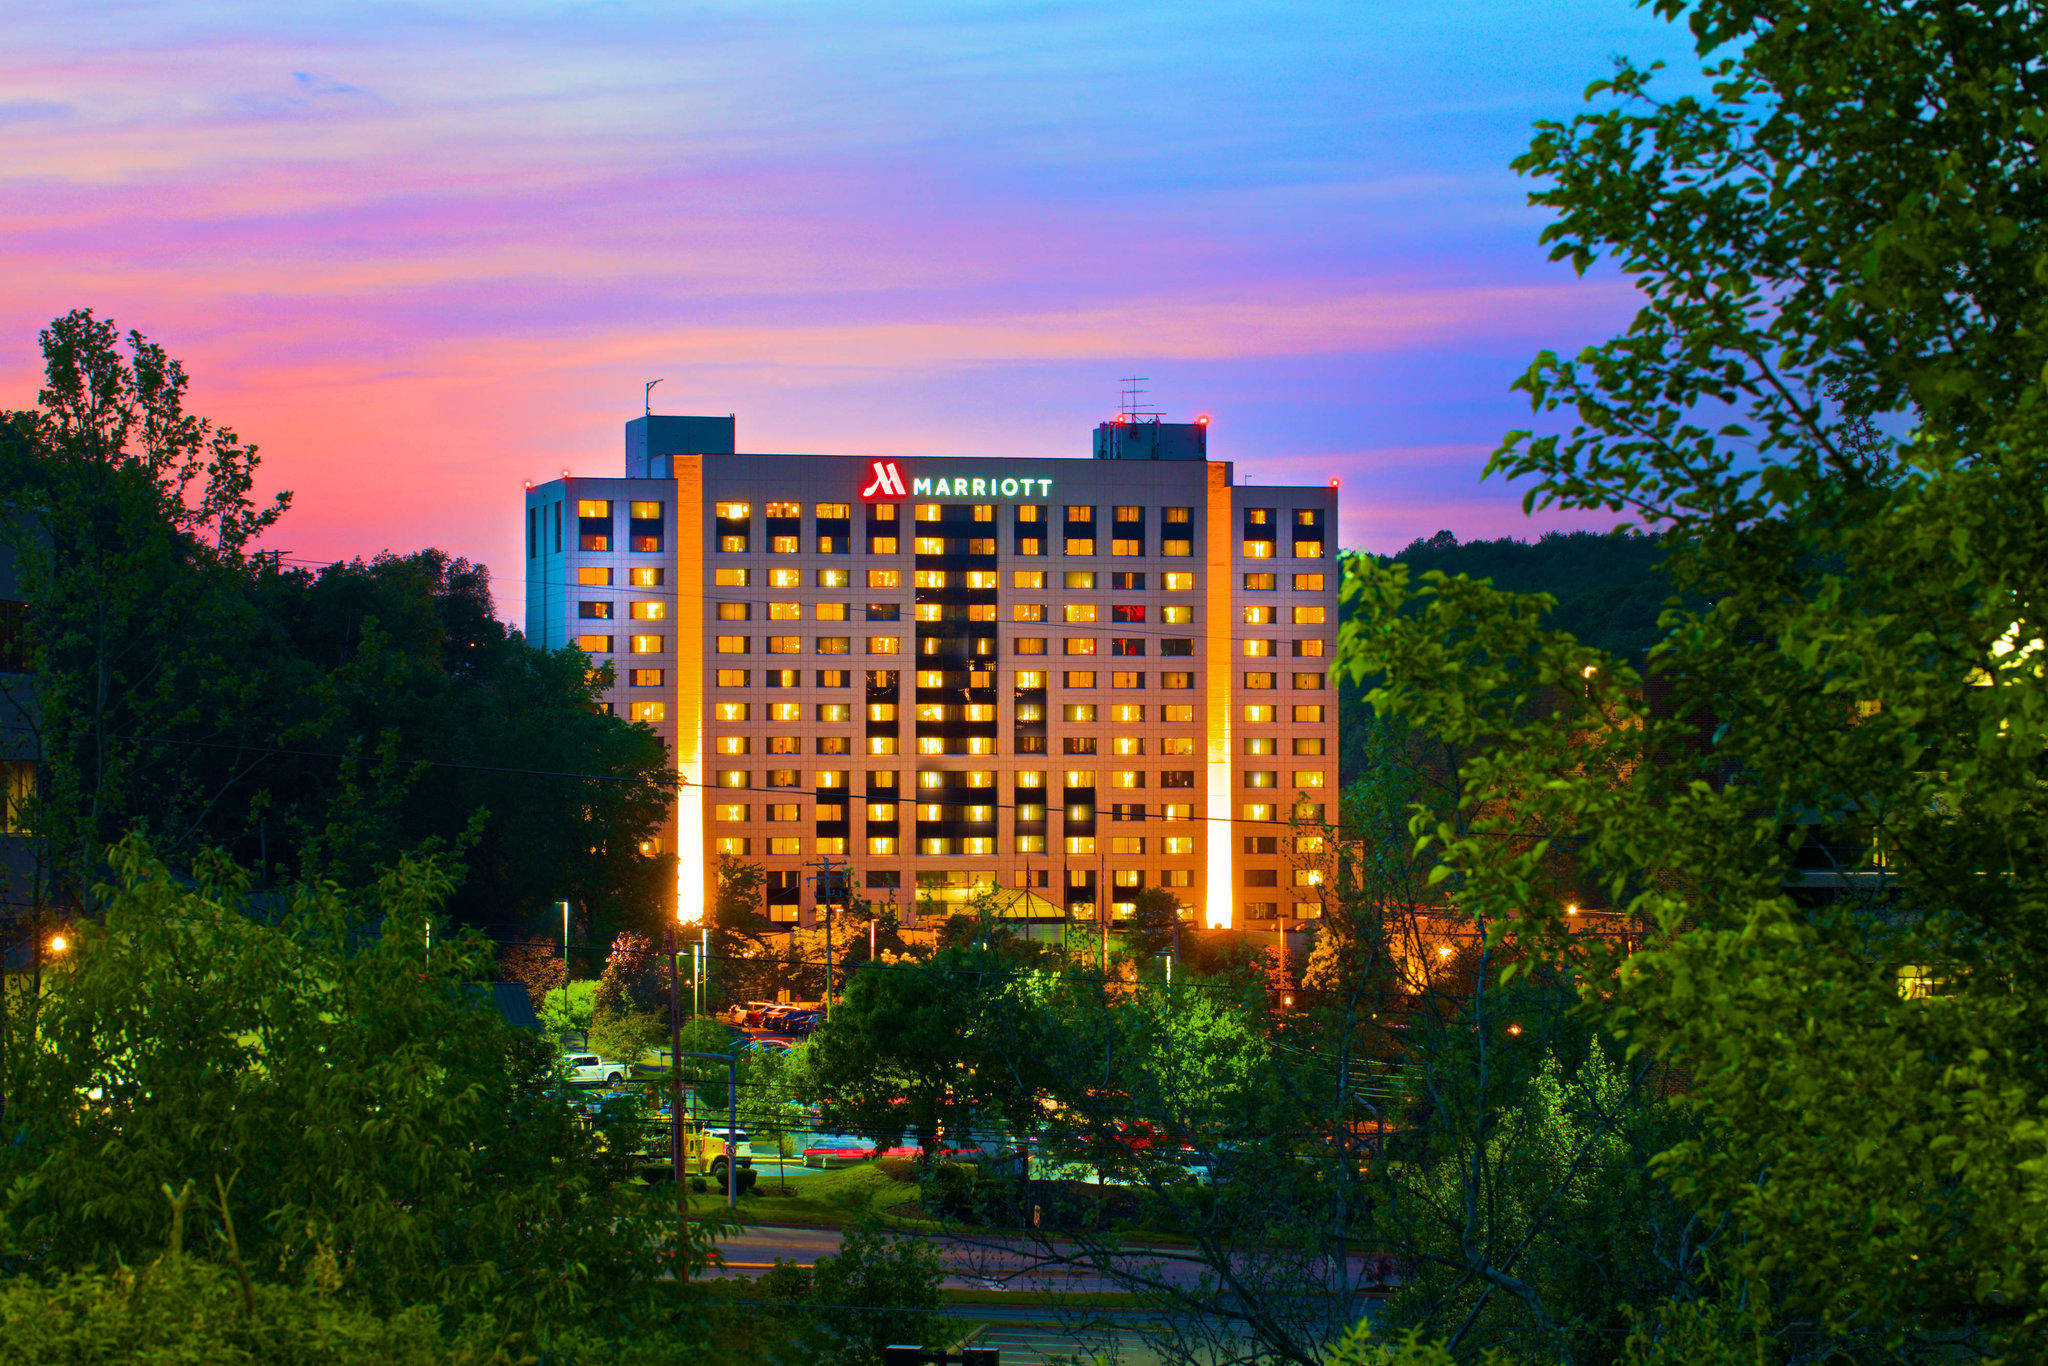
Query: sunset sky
(424, 252)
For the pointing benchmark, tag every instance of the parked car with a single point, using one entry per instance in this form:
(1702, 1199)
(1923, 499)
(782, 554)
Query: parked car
(749, 1013)
(802, 1022)
(591, 1067)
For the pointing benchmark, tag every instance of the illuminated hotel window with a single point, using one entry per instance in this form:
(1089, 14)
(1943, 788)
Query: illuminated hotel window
(785, 578)
(645, 678)
(929, 578)
(1079, 678)
(1080, 844)
(781, 678)
(833, 512)
(881, 545)
(1258, 615)
(731, 645)
(1308, 777)
(1177, 582)
(929, 545)
(926, 512)
(1258, 680)
(1261, 777)
(653, 645)
(1180, 713)
(1308, 583)
(1259, 744)
(1126, 844)
(1027, 679)
(882, 844)
(1030, 844)
(831, 611)
(1309, 682)
(1030, 645)
(834, 578)
(984, 512)
(784, 510)
(735, 777)
(783, 813)
(835, 645)
(784, 777)
(1309, 616)
(1311, 812)
(732, 711)
(1079, 579)
(593, 576)
(1177, 616)
(734, 744)
(785, 744)
(1308, 550)
(982, 578)
(735, 512)
(785, 645)
(1309, 714)
(1258, 713)
(1125, 678)
(881, 744)
(1027, 578)
(784, 545)
(834, 678)
(596, 645)
(1307, 649)
(650, 712)
(785, 846)
(1176, 811)
(1177, 744)
(735, 611)
(1258, 811)
(1079, 711)
(785, 711)
(650, 611)
(1181, 681)
(726, 578)
(1260, 583)
(1027, 611)
(1258, 649)
(885, 578)
(1121, 545)
(835, 711)
(1126, 777)
(831, 844)
(734, 678)
(930, 744)
(1258, 550)
(1078, 645)
(1127, 745)
(732, 811)
(1030, 512)
(737, 846)
(927, 611)
(1029, 777)
(1259, 516)
(1080, 545)
(594, 611)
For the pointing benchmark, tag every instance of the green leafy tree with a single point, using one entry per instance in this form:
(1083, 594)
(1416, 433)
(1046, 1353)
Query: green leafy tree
(875, 1291)
(322, 1073)
(902, 1050)
(1829, 815)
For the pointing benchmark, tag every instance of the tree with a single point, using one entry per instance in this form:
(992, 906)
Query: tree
(337, 1096)
(902, 1050)
(1828, 811)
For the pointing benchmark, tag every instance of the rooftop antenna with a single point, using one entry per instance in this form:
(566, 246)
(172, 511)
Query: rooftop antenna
(647, 396)
(1132, 408)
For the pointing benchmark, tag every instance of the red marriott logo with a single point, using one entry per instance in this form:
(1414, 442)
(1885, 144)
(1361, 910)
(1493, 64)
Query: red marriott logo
(888, 483)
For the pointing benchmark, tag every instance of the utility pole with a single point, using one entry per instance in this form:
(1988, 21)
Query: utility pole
(565, 962)
(828, 893)
(675, 1111)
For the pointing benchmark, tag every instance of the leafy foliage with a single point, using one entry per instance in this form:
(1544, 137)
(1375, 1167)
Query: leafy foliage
(1827, 815)
(338, 1098)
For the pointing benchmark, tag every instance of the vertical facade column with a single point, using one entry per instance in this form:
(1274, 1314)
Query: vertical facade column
(692, 872)
(1219, 897)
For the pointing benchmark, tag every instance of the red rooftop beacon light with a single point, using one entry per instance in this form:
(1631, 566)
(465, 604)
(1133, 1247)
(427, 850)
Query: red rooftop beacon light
(1202, 421)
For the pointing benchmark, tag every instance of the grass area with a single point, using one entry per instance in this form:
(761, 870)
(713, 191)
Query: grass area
(830, 1199)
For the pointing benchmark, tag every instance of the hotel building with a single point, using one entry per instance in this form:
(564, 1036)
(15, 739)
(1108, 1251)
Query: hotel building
(1071, 678)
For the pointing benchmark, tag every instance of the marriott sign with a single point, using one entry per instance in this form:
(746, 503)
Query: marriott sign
(885, 480)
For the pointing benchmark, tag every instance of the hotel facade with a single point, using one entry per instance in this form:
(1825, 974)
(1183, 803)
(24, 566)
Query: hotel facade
(1070, 679)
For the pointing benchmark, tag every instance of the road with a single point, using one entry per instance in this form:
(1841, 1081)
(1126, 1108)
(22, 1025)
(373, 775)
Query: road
(969, 1267)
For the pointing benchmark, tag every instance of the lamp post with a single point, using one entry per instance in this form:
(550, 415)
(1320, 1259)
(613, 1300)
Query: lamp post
(565, 963)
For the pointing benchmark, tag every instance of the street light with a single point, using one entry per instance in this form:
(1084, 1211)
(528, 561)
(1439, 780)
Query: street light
(565, 962)
(58, 943)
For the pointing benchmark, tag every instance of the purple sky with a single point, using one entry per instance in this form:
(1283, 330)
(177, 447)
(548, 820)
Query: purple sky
(424, 252)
